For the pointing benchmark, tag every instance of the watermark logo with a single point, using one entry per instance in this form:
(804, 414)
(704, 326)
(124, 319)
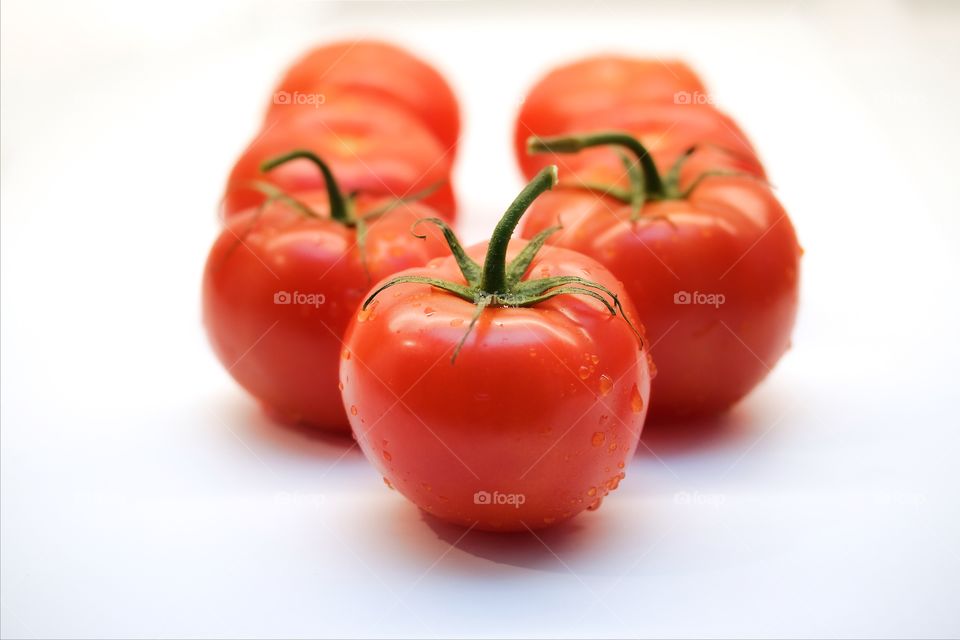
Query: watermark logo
(696, 498)
(485, 497)
(299, 98)
(695, 97)
(297, 297)
(699, 297)
(499, 299)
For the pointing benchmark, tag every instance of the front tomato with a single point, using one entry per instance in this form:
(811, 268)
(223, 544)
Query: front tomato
(504, 397)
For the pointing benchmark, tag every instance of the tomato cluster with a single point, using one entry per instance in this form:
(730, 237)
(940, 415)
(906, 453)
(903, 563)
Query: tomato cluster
(665, 191)
(505, 385)
(356, 146)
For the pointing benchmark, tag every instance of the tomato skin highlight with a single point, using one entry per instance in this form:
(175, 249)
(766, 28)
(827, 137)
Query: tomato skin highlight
(373, 148)
(593, 85)
(383, 71)
(286, 353)
(545, 402)
(730, 237)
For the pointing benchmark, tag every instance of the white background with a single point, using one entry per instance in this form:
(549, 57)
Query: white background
(144, 494)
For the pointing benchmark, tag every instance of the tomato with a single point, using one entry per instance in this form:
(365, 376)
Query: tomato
(373, 148)
(384, 71)
(594, 85)
(507, 396)
(713, 264)
(667, 131)
(282, 282)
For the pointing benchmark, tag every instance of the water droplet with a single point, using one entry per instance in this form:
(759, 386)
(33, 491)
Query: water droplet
(340, 386)
(584, 372)
(652, 366)
(614, 482)
(620, 464)
(345, 354)
(426, 487)
(429, 311)
(533, 353)
(595, 504)
(612, 447)
(456, 322)
(592, 491)
(636, 400)
(606, 384)
(353, 409)
(388, 483)
(594, 358)
(597, 439)
(387, 456)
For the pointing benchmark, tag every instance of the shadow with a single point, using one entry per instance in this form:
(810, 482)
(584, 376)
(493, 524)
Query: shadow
(251, 418)
(694, 435)
(589, 543)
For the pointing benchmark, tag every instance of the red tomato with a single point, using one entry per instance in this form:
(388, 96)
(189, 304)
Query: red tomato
(506, 396)
(384, 71)
(667, 131)
(281, 284)
(715, 271)
(373, 148)
(598, 84)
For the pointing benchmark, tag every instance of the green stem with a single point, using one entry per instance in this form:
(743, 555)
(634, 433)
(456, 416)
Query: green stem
(499, 284)
(494, 277)
(339, 209)
(652, 182)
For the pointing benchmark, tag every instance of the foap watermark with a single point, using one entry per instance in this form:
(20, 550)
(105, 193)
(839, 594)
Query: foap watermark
(499, 299)
(699, 297)
(298, 297)
(299, 98)
(698, 499)
(693, 97)
(512, 499)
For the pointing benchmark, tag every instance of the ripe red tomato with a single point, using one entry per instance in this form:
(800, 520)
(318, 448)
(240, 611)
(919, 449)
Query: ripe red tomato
(373, 148)
(715, 271)
(667, 131)
(593, 85)
(282, 282)
(378, 69)
(505, 396)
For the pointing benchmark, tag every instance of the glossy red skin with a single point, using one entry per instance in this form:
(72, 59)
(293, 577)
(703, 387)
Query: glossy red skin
(371, 147)
(666, 131)
(378, 69)
(731, 237)
(518, 412)
(594, 85)
(287, 355)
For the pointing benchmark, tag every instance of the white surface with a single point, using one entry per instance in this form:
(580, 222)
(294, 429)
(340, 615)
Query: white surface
(143, 494)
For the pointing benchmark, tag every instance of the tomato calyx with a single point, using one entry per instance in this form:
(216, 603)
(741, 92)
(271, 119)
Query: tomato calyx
(646, 182)
(342, 207)
(498, 283)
